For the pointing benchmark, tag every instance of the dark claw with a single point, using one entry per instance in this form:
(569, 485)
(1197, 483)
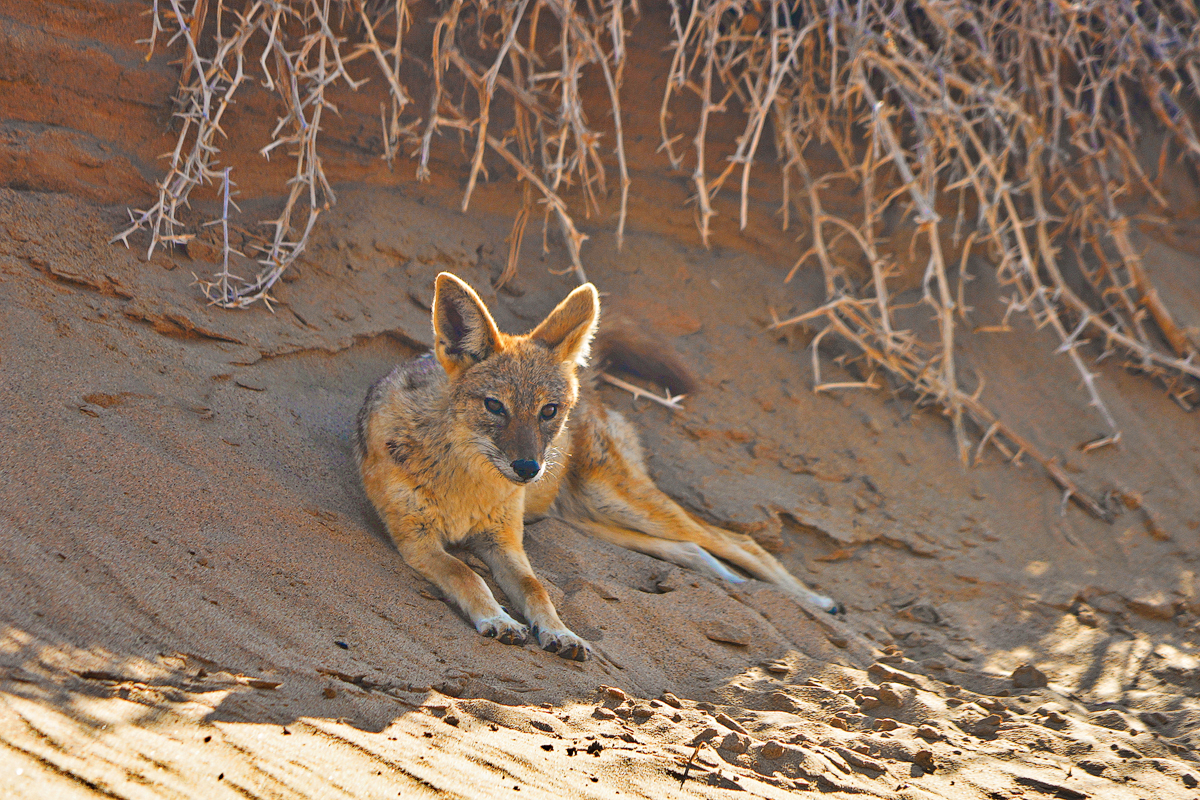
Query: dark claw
(837, 610)
(552, 646)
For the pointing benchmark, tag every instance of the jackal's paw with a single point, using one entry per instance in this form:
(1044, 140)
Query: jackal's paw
(829, 604)
(564, 643)
(504, 628)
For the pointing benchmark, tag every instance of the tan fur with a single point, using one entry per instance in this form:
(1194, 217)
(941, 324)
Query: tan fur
(462, 446)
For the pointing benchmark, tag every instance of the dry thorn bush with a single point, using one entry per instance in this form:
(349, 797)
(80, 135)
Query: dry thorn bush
(301, 50)
(1008, 134)
(1007, 129)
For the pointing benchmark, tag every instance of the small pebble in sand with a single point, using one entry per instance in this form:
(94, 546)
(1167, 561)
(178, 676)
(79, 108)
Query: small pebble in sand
(1028, 676)
(643, 712)
(734, 743)
(888, 694)
(1052, 716)
(882, 672)
(988, 726)
(995, 706)
(671, 700)
(771, 749)
(604, 713)
(731, 723)
(720, 631)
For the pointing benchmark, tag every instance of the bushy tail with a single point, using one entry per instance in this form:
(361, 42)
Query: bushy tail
(620, 347)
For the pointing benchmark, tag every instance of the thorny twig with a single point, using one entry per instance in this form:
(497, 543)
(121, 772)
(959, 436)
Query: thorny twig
(671, 401)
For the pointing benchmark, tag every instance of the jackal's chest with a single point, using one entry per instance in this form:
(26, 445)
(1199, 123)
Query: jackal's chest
(477, 507)
(435, 486)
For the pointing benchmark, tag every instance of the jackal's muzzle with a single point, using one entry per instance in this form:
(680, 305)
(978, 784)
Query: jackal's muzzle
(526, 469)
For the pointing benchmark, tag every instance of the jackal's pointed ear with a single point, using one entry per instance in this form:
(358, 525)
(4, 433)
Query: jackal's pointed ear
(569, 328)
(464, 333)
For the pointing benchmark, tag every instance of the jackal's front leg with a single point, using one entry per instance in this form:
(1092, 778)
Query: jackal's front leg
(505, 556)
(460, 583)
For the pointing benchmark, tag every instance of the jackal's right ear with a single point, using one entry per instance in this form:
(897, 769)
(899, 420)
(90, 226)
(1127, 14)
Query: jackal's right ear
(464, 333)
(569, 328)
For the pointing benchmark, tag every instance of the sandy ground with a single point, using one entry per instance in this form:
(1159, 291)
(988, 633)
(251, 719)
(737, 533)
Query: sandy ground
(196, 599)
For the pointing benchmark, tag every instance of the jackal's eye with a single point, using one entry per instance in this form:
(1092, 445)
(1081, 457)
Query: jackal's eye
(549, 411)
(493, 405)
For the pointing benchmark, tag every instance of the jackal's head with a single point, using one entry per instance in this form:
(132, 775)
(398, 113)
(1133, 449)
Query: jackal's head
(511, 394)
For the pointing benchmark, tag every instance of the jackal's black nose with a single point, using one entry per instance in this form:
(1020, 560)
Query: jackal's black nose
(525, 468)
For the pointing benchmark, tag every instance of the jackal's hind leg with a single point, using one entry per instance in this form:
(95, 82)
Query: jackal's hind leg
(764, 566)
(686, 554)
(642, 506)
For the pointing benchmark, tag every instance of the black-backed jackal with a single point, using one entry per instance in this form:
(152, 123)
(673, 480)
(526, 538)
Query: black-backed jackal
(462, 445)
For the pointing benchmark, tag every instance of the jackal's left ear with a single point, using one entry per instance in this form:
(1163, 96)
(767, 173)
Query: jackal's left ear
(569, 328)
(464, 333)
